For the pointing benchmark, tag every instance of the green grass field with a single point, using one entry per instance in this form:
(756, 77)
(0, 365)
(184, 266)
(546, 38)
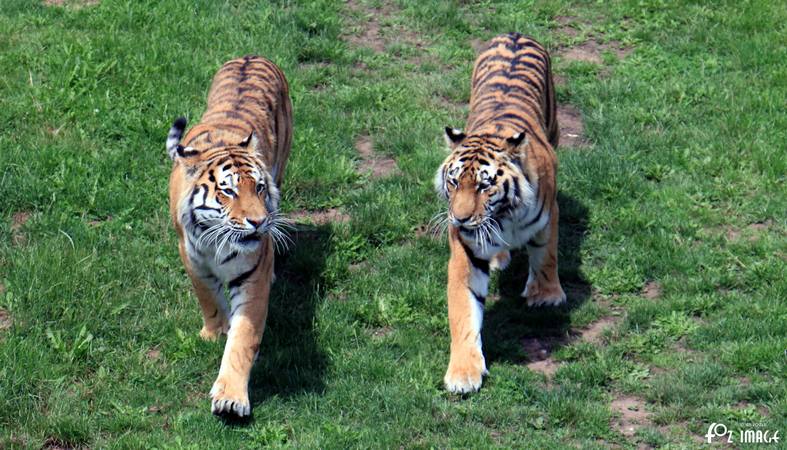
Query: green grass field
(673, 227)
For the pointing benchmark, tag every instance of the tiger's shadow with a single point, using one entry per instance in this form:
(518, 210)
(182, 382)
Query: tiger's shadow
(290, 361)
(510, 326)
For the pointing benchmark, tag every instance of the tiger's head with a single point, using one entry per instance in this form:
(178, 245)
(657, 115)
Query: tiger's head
(231, 201)
(482, 179)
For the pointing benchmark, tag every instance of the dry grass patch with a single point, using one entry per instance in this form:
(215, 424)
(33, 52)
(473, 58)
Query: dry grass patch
(572, 129)
(371, 34)
(5, 320)
(18, 221)
(652, 290)
(596, 329)
(372, 163)
(631, 415)
(319, 217)
(73, 4)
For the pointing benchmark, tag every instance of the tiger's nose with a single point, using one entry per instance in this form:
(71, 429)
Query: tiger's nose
(461, 220)
(255, 223)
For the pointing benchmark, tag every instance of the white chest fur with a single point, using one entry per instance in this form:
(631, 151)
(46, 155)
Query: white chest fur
(515, 230)
(223, 264)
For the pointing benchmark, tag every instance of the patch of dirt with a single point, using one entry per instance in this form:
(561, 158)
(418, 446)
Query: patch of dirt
(371, 33)
(448, 103)
(732, 233)
(753, 230)
(572, 129)
(593, 332)
(153, 354)
(652, 290)
(586, 52)
(378, 166)
(381, 332)
(681, 348)
(18, 221)
(539, 349)
(56, 444)
(761, 226)
(338, 297)
(357, 267)
(478, 45)
(5, 320)
(75, 4)
(559, 80)
(319, 217)
(761, 409)
(54, 131)
(632, 415)
(567, 25)
(548, 367)
(97, 222)
(539, 352)
(154, 409)
(591, 51)
(422, 231)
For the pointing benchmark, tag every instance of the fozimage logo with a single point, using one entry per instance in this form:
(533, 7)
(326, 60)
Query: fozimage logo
(719, 430)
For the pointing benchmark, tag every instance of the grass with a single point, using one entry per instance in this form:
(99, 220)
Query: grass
(682, 185)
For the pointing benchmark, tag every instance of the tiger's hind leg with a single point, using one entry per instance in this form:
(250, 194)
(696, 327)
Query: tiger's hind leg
(211, 301)
(543, 286)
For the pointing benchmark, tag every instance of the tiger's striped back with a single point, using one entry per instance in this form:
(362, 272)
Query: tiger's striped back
(248, 94)
(512, 91)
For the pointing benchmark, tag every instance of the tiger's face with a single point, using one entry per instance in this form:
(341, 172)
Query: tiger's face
(481, 181)
(233, 201)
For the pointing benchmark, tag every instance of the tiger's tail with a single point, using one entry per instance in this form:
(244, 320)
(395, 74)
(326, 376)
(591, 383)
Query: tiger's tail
(174, 136)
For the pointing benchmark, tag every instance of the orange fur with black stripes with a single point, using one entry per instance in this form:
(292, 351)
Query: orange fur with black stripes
(224, 202)
(500, 184)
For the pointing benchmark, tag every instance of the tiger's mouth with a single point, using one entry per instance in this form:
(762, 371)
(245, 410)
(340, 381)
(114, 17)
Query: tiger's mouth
(468, 226)
(251, 238)
(248, 243)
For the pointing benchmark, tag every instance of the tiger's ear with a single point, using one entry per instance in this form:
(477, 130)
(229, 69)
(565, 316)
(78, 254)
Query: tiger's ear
(517, 140)
(252, 140)
(174, 149)
(453, 136)
(245, 142)
(185, 152)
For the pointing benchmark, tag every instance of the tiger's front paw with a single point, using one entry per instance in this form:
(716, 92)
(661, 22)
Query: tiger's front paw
(228, 400)
(500, 261)
(212, 333)
(465, 377)
(544, 296)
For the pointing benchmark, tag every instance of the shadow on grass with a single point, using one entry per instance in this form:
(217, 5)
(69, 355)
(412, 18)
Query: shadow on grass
(290, 361)
(510, 325)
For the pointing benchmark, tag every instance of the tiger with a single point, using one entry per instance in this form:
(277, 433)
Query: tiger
(499, 181)
(224, 204)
